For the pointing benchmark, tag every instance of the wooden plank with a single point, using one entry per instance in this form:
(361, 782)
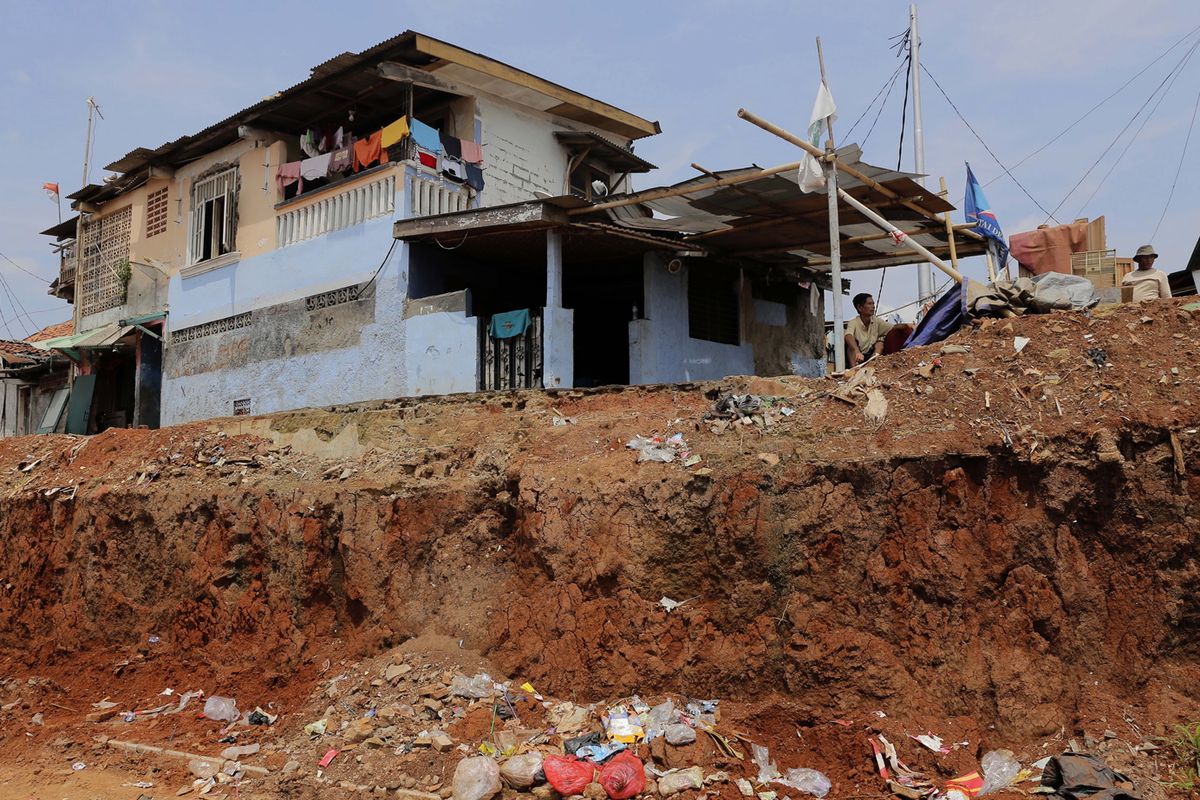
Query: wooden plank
(395, 71)
(628, 124)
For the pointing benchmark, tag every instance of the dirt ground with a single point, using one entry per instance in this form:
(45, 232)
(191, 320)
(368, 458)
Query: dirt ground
(1007, 559)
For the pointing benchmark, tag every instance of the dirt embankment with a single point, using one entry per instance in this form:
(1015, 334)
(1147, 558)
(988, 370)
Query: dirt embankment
(1014, 547)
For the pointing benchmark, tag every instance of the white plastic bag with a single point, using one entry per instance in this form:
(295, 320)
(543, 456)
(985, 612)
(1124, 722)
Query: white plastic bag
(221, 708)
(476, 778)
(523, 771)
(477, 687)
(680, 781)
(767, 771)
(807, 780)
(1000, 769)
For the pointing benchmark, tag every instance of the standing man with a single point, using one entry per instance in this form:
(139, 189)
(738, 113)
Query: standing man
(864, 333)
(1148, 283)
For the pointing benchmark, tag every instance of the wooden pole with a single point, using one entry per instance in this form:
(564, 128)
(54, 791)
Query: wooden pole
(808, 148)
(668, 191)
(991, 270)
(899, 235)
(870, 237)
(835, 233)
(950, 226)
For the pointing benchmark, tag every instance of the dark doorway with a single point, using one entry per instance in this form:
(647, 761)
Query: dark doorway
(604, 298)
(112, 403)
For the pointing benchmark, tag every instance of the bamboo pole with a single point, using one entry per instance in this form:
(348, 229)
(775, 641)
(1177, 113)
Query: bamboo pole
(950, 226)
(899, 235)
(991, 270)
(134, 747)
(870, 237)
(668, 191)
(869, 182)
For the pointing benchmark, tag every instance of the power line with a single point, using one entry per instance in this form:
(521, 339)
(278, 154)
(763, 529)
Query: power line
(974, 133)
(27, 272)
(1178, 168)
(1096, 107)
(887, 83)
(1121, 133)
(882, 106)
(1136, 134)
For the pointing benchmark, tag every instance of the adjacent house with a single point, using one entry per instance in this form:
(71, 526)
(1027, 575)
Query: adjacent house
(278, 259)
(33, 384)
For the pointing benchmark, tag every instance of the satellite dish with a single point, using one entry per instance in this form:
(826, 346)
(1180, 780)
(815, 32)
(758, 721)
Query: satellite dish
(599, 188)
(540, 195)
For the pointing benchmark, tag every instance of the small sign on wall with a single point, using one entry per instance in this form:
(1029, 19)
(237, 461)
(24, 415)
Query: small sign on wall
(241, 407)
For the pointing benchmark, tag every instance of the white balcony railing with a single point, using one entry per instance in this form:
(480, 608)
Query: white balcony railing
(431, 195)
(338, 210)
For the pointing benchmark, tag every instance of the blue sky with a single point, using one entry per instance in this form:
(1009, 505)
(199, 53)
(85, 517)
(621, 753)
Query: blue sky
(1019, 71)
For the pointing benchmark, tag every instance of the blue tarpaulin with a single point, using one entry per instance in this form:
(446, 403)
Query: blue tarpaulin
(944, 318)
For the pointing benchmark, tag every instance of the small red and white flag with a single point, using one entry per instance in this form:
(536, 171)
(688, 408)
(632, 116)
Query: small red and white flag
(51, 190)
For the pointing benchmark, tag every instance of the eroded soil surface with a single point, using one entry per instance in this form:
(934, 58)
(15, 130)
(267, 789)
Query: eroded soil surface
(1007, 560)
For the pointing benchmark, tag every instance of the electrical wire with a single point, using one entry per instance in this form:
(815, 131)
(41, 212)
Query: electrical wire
(15, 302)
(1121, 133)
(879, 113)
(379, 269)
(27, 272)
(975, 133)
(903, 115)
(1096, 107)
(887, 83)
(1133, 139)
(1178, 168)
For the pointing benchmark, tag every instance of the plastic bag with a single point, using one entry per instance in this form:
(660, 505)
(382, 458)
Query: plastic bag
(476, 778)
(681, 781)
(659, 718)
(680, 734)
(477, 687)
(623, 777)
(767, 771)
(1000, 769)
(807, 780)
(221, 708)
(567, 774)
(523, 771)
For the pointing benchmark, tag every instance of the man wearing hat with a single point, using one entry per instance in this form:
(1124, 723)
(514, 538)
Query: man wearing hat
(1148, 283)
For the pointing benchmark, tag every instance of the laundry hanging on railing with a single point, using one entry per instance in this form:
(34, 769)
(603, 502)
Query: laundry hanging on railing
(427, 159)
(453, 168)
(317, 167)
(451, 145)
(426, 136)
(472, 152)
(368, 151)
(508, 324)
(287, 174)
(394, 132)
(341, 160)
(474, 177)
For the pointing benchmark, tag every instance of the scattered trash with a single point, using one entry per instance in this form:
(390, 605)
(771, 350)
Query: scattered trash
(476, 778)
(316, 728)
(522, 771)
(599, 753)
(477, 687)
(655, 448)
(79, 765)
(620, 727)
(681, 780)
(1098, 356)
(670, 605)
(877, 407)
(223, 709)
(1075, 775)
(1000, 770)
(947, 349)
(934, 743)
(204, 768)
(257, 717)
(623, 777)
(154, 639)
(1019, 343)
(328, 758)
(680, 734)
(809, 781)
(745, 787)
(568, 775)
(235, 753)
(964, 786)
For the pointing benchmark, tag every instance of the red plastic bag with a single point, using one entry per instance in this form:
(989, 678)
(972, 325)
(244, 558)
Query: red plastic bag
(623, 777)
(568, 774)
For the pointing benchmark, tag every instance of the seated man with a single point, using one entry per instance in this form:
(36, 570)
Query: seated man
(1148, 283)
(864, 333)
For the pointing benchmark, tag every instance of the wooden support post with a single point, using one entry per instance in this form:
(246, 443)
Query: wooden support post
(950, 226)
(900, 236)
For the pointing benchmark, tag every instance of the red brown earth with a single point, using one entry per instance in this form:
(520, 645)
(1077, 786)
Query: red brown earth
(1009, 559)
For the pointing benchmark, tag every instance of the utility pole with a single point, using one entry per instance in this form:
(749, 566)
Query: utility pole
(924, 273)
(93, 109)
(835, 235)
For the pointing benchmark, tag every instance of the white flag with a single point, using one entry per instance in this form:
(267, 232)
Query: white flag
(812, 176)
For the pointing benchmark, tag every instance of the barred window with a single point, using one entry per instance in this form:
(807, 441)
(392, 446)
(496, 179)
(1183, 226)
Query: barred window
(156, 212)
(213, 227)
(104, 264)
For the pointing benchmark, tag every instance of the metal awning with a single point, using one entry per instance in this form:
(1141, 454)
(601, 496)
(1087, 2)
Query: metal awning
(621, 159)
(104, 336)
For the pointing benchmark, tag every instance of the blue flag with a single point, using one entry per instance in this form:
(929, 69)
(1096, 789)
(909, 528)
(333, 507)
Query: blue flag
(978, 211)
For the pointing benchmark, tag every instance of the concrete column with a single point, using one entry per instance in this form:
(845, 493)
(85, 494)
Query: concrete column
(554, 269)
(558, 323)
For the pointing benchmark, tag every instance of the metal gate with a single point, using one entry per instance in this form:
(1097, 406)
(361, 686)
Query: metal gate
(512, 363)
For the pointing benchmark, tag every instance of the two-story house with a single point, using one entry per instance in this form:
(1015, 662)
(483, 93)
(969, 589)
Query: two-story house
(251, 267)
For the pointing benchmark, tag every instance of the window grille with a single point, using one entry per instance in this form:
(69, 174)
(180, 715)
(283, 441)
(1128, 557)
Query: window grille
(214, 216)
(336, 297)
(105, 248)
(156, 212)
(241, 407)
(209, 328)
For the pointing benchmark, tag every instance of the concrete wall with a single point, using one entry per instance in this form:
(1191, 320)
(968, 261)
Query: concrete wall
(441, 351)
(788, 338)
(290, 357)
(660, 350)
